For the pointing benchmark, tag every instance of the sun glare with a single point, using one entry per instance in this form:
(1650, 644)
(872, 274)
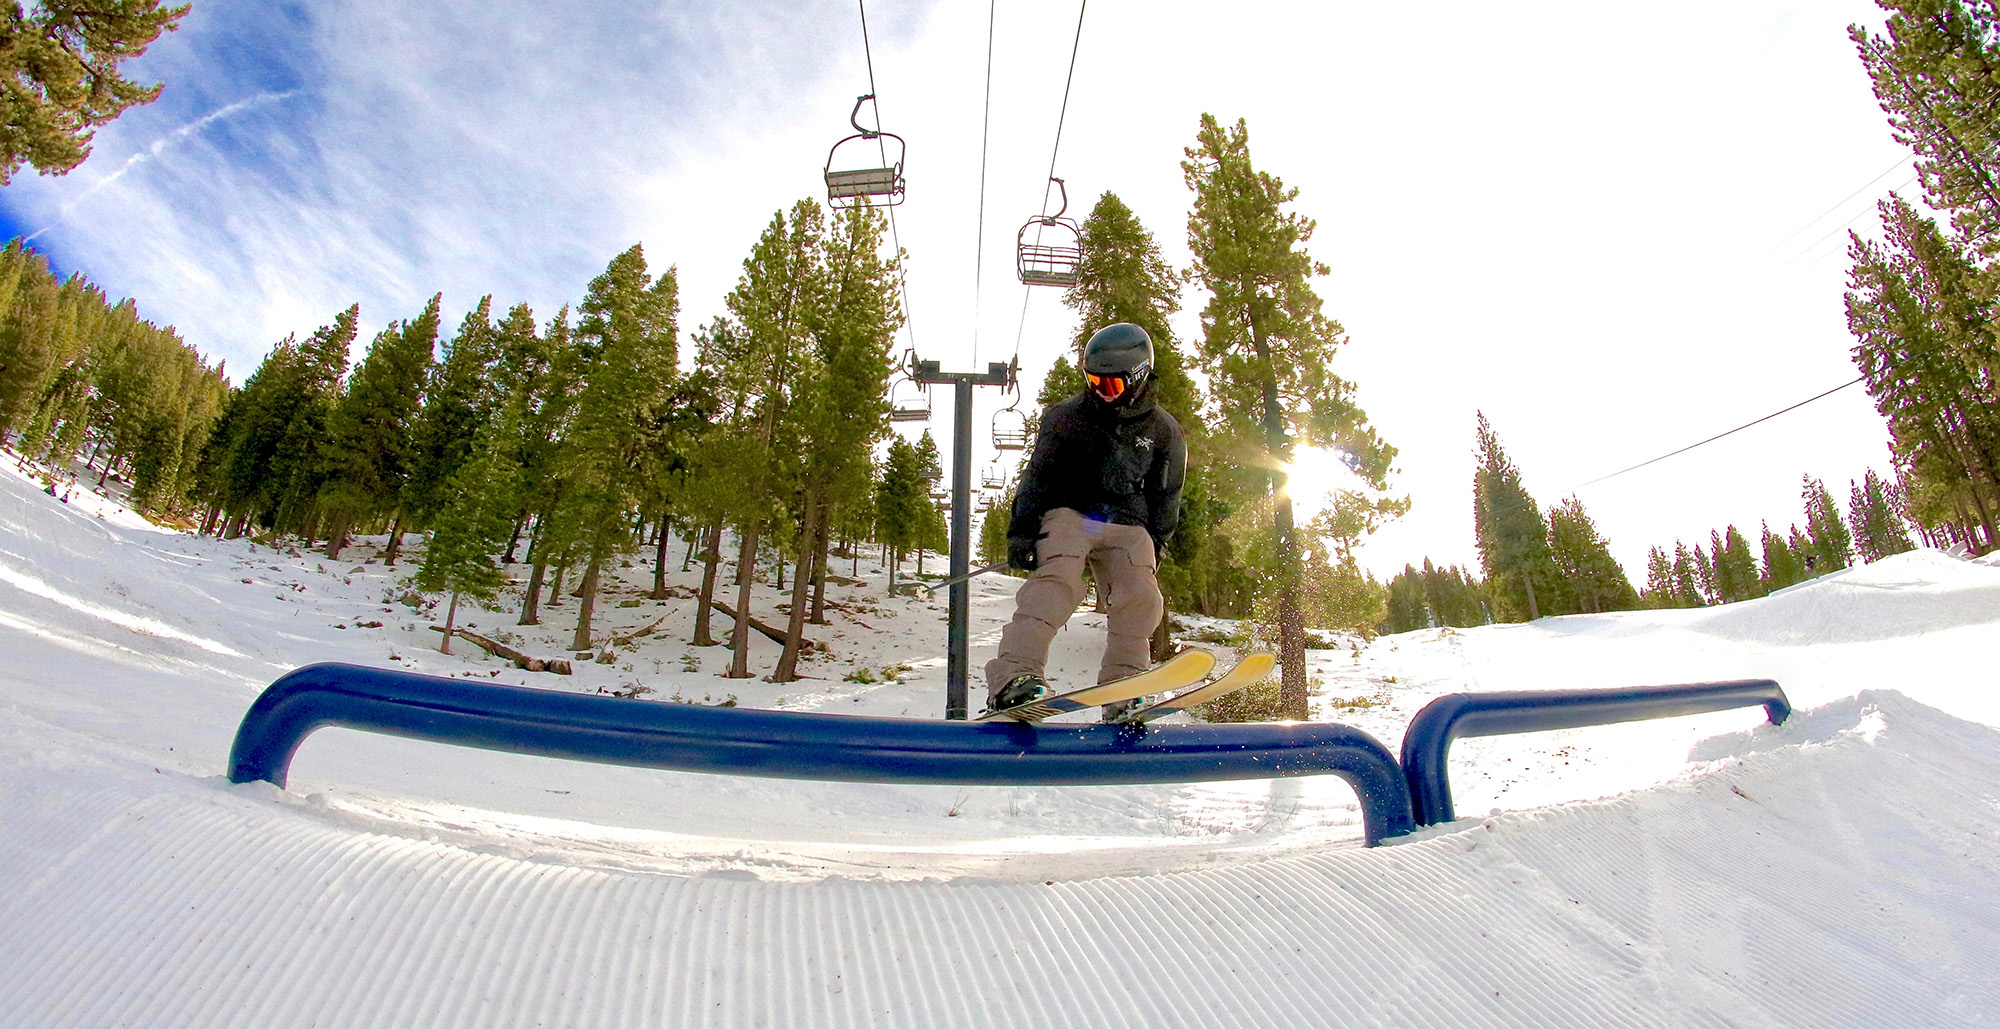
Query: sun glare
(1314, 474)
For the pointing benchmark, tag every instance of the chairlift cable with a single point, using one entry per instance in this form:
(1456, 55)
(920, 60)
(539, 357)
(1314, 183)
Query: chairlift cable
(1062, 114)
(1836, 229)
(1864, 188)
(895, 236)
(979, 237)
(1733, 431)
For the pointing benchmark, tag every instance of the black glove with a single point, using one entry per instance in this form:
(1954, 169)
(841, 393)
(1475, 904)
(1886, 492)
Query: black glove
(1021, 553)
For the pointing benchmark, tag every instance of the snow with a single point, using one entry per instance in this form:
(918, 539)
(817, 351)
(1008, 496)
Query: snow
(1708, 870)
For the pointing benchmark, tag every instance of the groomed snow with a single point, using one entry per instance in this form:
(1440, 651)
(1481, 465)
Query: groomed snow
(1702, 871)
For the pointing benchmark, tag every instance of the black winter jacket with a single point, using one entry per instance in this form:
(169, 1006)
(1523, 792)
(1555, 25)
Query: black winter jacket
(1115, 463)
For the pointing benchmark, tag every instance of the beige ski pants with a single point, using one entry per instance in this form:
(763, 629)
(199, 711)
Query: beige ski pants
(1122, 559)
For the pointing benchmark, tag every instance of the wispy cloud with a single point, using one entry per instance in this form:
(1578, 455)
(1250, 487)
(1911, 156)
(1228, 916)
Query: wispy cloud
(159, 146)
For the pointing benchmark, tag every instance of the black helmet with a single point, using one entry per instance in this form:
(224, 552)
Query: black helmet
(1118, 361)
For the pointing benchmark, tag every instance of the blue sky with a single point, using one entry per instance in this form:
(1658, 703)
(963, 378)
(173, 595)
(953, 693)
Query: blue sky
(1600, 224)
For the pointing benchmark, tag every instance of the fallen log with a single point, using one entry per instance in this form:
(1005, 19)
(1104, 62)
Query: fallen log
(805, 646)
(558, 665)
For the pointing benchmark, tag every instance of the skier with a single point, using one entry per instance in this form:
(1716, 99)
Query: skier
(1103, 489)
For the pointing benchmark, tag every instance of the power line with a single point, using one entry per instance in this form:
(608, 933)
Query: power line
(1718, 436)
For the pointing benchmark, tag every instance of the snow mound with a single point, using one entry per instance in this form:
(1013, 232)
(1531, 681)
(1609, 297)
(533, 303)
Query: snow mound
(1910, 594)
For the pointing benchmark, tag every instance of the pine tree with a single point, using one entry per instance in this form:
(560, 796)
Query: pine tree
(369, 453)
(1831, 543)
(552, 396)
(842, 401)
(60, 62)
(1871, 516)
(1687, 590)
(1659, 591)
(1782, 566)
(1917, 306)
(775, 308)
(28, 339)
(1407, 607)
(1507, 525)
(472, 521)
(1936, 73)
(1596, 580)
(1735, 567)
(1267, 349)
(1806, 554)
(627, 329)
(902, 502)
(259, 419)
(458, 400)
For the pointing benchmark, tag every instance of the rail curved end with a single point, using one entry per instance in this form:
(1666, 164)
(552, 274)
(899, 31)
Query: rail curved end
(1427, 742)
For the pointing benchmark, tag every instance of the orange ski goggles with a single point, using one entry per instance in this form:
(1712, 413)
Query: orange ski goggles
(1107, 387)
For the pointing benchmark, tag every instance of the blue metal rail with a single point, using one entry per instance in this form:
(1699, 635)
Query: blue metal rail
(793, 745)
(1427, 742)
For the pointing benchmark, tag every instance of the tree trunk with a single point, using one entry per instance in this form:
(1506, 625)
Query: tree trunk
(515, 539)
(581, 641)
(1163, 637)
(1278, 447)
(825, 537)
(531, 598)
(795, 628)
(555, 590)
(739, 660)
(395, 541)
(711, 560)
(338, 538)
(687, 559)
(1534, 610)
(660, 564)
(531, 602)
(450, 618)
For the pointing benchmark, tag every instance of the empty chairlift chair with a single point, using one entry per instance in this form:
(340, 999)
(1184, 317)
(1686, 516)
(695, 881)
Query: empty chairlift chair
(877, 185)
(1052, 256)
(909, 399)
(1012, 430)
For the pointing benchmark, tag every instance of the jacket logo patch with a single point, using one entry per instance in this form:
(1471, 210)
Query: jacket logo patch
(1143, 443)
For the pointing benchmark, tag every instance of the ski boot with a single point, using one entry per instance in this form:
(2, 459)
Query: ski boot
(1017, 691)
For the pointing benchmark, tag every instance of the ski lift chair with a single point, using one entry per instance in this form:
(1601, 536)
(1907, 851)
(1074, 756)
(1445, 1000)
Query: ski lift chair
(993, 478)
(909, 399)
(865, 186)
(1012, 430)
(1052, 259)
(909, 402)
